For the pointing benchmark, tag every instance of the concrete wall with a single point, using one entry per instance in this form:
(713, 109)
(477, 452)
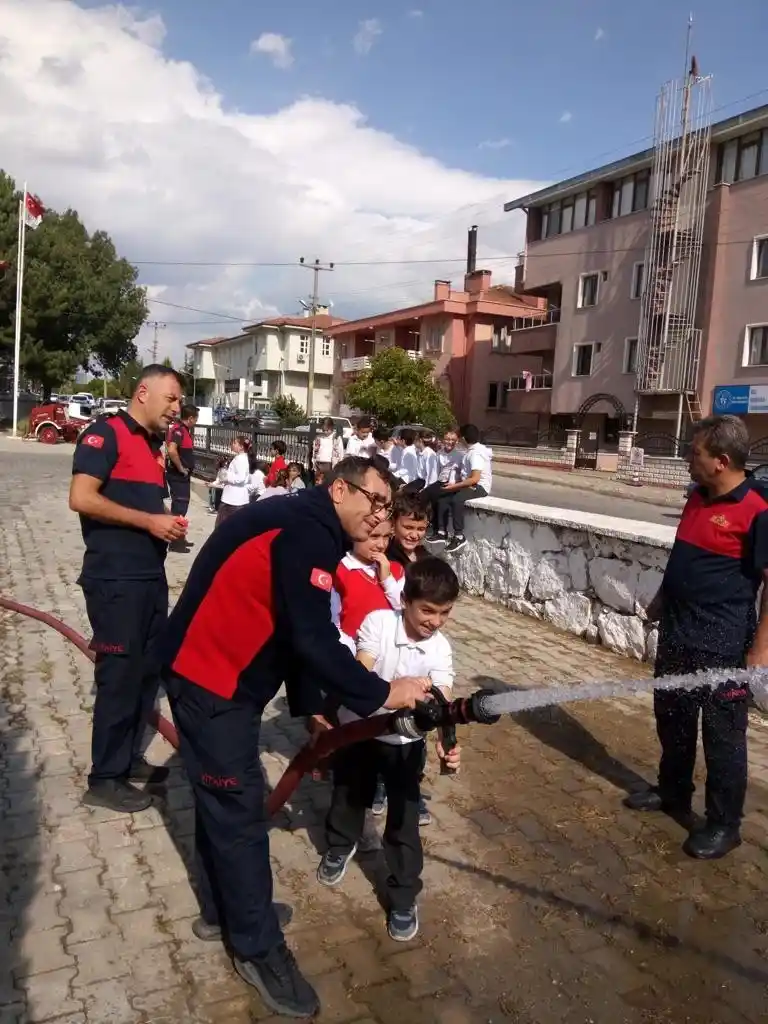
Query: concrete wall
(591, 575)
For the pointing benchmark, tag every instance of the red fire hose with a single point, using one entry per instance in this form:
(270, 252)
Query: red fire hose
(320, 746)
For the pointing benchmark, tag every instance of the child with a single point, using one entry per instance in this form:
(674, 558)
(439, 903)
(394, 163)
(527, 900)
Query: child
(235, 493)
(277, 488)
(408, 470)
(449, 460)
(295, 477)
(475, 482)
(362, 441)
(216, 488)
(426, 457)
(327, 449)
(277, 452)
(257, 480)
(410, 519)
(387, 449)
(394, 644)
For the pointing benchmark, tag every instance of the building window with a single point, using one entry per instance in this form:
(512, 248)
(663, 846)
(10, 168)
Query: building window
(630, 194)
(756, 345)
(502, 338)
(759, 258)
(326, 347)
(433, 339)
(589, 290)
(638, 279)
(303, 345)
(569, 214)
(630, 356)
(583, 358)
(497, 395)
(743, 158)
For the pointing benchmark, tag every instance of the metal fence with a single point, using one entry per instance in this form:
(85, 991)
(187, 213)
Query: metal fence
(211, 443)
(526, 437)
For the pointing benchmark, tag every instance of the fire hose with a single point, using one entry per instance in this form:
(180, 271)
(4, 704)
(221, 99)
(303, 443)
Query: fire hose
(436, 713)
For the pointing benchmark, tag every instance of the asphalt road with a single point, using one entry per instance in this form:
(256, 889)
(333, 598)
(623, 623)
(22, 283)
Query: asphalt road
(584, 499)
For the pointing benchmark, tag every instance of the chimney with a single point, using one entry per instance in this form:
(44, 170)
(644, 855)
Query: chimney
(477, 282)
(472, 249)
(442, 290)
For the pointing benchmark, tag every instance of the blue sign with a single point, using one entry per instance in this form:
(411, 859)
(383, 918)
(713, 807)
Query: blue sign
(734, 400)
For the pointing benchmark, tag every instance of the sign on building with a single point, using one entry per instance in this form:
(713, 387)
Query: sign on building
(739, 399)
(232, 387)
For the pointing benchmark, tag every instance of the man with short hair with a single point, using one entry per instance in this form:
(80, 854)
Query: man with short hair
(706, 608)
(118, 489)
(256, 612)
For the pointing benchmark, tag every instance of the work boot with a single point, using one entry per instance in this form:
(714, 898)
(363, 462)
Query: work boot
(212, 932)
(116, 795)
(652, 800)
(712, 841)
(280, 983)
(143, 771)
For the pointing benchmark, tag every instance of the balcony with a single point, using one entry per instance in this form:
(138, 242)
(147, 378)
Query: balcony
(530, 392)
(527, 335)
(356, 364)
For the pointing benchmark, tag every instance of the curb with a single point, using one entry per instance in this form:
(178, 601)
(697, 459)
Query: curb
(572, 480)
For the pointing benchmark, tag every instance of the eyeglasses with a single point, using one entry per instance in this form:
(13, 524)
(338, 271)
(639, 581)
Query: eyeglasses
(378, 504)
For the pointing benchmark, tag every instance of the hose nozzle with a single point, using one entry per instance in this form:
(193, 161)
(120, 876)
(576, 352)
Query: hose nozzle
(443, 714)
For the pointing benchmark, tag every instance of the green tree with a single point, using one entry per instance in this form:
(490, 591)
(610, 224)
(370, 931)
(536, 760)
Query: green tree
(398, 389)
(289, 410)
(82, 307)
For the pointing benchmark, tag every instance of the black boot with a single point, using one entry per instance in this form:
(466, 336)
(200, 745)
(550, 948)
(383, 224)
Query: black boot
(280, 983)
(652, 800)
(116, 795)
(712, 842)
(152, 774)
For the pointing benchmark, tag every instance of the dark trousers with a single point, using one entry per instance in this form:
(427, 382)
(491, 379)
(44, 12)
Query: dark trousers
(127, 619)
(452, 507)
(179, 488)
(724, 736)
(355, 771)
(219, 744)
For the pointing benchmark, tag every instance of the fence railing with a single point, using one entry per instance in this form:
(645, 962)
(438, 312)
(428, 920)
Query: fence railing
(213, 442)
(531, 382)
(525, 437)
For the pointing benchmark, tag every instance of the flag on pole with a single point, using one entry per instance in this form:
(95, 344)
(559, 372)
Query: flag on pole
(33, 211)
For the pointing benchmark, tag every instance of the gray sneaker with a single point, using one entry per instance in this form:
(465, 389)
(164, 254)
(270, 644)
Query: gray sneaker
(333, 867)
(212, 932)
(403, 925)
(280, 983)
(425, 818)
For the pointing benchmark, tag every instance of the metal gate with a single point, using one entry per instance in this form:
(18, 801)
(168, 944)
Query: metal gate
(586, 450)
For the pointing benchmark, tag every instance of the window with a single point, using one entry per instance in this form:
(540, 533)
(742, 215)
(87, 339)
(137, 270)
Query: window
(502, 338)
(630, 194)
(303, 345)
(743, 158)
(630, 356)
(759, 258)
(638, 279)
(497, 395)
(756, 345)
(589, 290)
(583, 358)
(434, 339)
(326, 348)
(569, 214)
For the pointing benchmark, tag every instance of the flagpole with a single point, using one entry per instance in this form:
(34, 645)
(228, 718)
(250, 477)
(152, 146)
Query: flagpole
(19, 294)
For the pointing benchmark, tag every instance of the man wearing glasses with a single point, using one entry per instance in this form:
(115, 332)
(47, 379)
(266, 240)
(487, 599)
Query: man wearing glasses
(255, 612)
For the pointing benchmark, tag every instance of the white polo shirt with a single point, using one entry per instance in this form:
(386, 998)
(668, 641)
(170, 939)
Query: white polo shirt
(365, 447)
(477, 456)
(383, 636)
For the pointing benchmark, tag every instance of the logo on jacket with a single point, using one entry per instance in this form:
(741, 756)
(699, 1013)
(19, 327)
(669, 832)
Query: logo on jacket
(321, 579)
(94, 440)
(721, 521)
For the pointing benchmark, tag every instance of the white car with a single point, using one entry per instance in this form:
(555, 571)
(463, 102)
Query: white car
(341, 423)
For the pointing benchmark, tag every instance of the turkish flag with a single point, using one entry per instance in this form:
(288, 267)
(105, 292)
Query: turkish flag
(33, 211)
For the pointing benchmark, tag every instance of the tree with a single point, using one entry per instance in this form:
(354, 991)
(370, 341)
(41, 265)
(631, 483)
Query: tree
(398, 389)
(81, 303)
(289, 410)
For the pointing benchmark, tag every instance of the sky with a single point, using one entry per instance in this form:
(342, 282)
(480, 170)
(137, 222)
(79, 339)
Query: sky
(209, 138)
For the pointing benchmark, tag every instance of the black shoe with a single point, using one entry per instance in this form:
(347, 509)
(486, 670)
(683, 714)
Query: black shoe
(456, 543)
(212, 932)
(651, 800)
(116, 795)
(280, 983)
(712, 842)
(152, 774)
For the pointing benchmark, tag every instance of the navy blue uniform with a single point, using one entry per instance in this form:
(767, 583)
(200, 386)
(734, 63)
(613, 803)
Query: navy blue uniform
(126, 593)
(708, 620)
(255, 613)
(179, 483)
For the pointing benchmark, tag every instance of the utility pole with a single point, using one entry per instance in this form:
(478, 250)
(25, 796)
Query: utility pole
(157, 327)
(315, 267)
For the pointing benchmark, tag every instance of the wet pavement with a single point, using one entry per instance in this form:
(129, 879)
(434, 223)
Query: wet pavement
(545, 901)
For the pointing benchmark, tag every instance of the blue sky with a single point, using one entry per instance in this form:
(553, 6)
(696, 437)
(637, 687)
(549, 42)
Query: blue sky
(457, 75)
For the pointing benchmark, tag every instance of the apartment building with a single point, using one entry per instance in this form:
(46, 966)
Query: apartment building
(461, 331)
(655, 270)
(267, 359)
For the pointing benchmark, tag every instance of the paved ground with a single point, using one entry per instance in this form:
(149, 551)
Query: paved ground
(545, 902)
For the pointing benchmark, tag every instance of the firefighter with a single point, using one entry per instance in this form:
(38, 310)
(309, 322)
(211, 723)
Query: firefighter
(180, 462)
(118, 487)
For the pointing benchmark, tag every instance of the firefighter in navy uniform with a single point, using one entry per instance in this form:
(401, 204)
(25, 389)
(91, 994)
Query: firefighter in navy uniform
(118, 487)
(180, 464)
(706, 608)
(255, 612)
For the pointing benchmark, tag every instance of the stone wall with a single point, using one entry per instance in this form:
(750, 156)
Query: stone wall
(557, 458)
(657, 472)
(591, 575)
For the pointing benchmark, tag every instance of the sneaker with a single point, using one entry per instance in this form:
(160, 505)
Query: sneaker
(152, 774)
(212, 932)
(212, 512)
(280, 983)
(456, 543)
(333, 867)
(116, 795)
(425, 818)
(439, 537)
(380, 800)
(403, 925)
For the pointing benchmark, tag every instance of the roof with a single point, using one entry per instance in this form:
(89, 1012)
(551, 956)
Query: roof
(721, 130)
(322, 323)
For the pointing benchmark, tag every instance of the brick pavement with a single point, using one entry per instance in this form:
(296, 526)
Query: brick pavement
(544, 900)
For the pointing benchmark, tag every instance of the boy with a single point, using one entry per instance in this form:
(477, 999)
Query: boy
(449, 460)
(295, 477)
(426, 457)
(387, 448)
(362, 441)
(408, 470)
(277, 451)
(475, 482)
(394, 644)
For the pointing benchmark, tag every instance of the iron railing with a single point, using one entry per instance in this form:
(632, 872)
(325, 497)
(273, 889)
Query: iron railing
(532, 382)
(211, 443)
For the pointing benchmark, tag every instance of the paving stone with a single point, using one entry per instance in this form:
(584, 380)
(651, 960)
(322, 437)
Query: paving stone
(48, 995)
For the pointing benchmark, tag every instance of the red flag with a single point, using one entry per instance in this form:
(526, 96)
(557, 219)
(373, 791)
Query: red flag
(33, 211)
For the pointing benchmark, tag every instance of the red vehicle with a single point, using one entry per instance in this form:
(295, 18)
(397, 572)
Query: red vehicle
(52, 423)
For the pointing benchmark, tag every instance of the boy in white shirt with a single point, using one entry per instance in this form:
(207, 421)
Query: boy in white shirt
(476, 481)
(394, 644)
(387, 448)
(426, 456)
(362, 442)
(408, 470)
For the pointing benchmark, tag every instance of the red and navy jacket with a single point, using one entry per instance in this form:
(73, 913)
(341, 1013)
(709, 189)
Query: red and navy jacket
(256, 611)
(180, 436)
(714, 572)
(129, 462)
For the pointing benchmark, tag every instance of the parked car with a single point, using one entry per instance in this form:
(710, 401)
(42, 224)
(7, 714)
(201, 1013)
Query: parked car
(397, 431)
(343, 426)
(109, 405)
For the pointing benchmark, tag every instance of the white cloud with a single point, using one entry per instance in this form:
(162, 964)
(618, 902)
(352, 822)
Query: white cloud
(495, 143)
(415, 13)
(274, 46)
(367, 33)
(599, 34)
(565, 117)
(146, 148)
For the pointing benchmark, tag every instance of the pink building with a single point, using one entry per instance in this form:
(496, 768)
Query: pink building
(464, 333)
(607, 248)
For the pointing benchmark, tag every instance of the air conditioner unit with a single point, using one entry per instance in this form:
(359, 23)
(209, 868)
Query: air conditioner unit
(301, 358)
